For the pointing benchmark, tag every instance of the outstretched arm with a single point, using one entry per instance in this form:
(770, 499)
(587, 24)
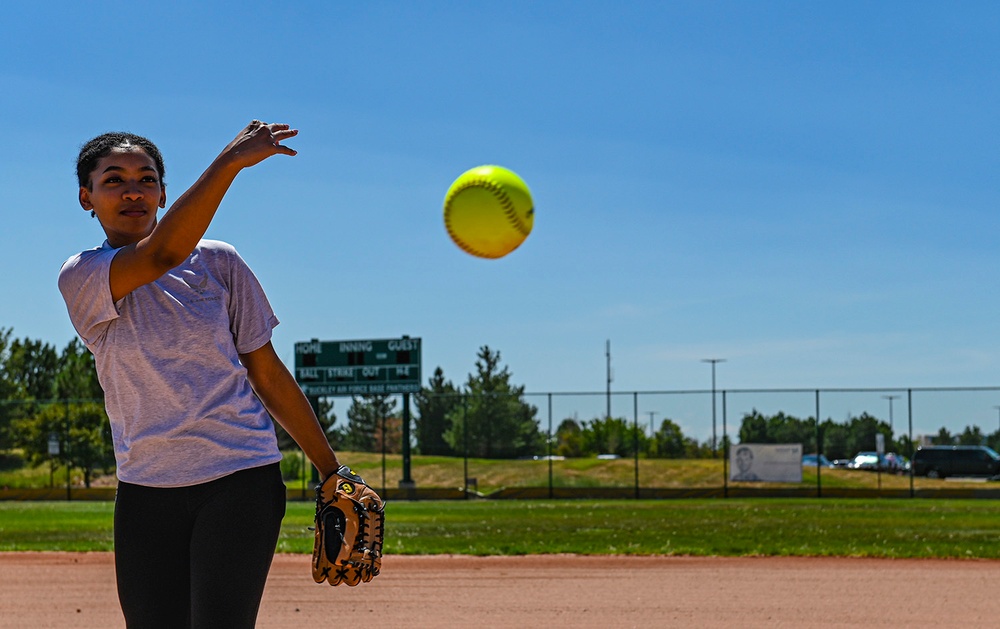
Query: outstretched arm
(177, 233)
(286, 403)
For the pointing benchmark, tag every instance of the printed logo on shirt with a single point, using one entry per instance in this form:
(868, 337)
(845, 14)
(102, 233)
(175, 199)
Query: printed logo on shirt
(194, 284)
(200, 286)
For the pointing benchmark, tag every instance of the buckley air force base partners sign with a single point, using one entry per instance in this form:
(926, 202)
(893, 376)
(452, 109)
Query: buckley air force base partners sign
(369, 367)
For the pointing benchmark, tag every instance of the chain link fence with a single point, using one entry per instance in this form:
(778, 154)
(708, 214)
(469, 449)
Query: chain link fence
(658, 444)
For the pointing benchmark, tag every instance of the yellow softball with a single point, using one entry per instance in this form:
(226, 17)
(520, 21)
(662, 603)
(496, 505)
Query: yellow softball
(488, 211)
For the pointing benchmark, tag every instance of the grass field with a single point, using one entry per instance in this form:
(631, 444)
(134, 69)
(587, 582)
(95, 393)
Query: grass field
(731, 527)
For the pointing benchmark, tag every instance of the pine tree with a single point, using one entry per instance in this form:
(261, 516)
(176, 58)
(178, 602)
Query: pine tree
(364, 421)
(493, 420)
(434, 403)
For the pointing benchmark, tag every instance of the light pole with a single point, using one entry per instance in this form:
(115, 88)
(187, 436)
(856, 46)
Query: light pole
(890, 398)
(713, 361)
(651, 430)
(998, 412)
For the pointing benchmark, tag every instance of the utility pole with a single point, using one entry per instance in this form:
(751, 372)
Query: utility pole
(607, 355)
(715, 438)
(890, 398)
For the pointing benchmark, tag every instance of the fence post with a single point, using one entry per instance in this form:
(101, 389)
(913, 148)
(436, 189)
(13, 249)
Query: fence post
(313, 471)
(549, 451)
(383, 453)
(69, 466)
(635, 438)
(725, 447)
(302, 471)
(819, 451)
(465, 446)
(909, 411)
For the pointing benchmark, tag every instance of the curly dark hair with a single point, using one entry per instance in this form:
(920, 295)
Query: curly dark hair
(101, 146)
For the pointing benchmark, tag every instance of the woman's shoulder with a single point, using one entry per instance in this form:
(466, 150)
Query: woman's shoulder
(216, 249)
(218, 253)
(82, 258)
(216, 245)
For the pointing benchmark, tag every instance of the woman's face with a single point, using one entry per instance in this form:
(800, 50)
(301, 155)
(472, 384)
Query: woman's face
(125, 193)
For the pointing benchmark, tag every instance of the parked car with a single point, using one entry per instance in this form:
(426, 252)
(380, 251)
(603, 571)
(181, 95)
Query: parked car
(873, 461)
(810, 460)
(897, 463)
(864, 461)
(944, 461)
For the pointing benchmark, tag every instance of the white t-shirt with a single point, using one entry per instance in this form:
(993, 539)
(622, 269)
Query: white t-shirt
(181, 408)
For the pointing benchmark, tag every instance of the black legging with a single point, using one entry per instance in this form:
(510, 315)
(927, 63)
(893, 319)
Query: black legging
(197, 556)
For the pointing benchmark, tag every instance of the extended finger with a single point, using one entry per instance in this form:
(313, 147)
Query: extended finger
(278, 129)
(279, 136)
(284, 134)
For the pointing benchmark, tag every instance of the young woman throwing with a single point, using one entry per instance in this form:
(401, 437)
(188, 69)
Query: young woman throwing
(181, 332)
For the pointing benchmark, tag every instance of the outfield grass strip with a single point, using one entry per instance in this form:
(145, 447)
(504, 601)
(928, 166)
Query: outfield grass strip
(733, 527)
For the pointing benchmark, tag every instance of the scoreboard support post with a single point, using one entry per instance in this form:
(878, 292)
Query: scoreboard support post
(367, 367)
(406, 482)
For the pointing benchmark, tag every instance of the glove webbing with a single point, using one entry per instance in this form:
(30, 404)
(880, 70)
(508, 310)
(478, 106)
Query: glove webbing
(361, 543)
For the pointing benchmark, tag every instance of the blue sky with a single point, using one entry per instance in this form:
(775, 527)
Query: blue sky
(805, 189)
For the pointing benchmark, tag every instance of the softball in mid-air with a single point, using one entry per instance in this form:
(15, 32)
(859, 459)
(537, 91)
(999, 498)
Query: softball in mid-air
(488, 211)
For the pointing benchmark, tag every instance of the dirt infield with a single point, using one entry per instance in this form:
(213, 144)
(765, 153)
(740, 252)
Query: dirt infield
(77, 590)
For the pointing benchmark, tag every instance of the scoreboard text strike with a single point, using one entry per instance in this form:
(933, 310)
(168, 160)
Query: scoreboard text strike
(376, 367)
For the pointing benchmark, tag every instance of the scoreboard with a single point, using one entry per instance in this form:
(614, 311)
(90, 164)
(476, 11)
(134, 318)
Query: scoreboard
(368, 367)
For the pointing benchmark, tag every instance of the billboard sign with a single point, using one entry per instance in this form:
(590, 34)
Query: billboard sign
(766, 462)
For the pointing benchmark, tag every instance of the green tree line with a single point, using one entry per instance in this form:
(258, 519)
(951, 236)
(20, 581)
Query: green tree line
(846, 439)
(49, 395)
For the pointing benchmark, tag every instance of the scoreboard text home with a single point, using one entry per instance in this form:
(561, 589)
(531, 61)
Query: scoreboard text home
(370, 367)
